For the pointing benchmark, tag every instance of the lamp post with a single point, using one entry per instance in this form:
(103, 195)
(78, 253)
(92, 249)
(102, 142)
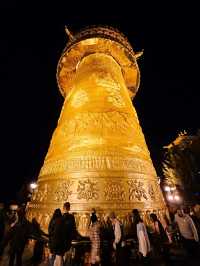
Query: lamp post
(33, 186)
(172, 195)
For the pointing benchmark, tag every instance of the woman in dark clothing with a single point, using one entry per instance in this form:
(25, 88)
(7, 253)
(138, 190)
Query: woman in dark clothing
(107, 236)
(158, 228)
(159, 236)
(39, 236)
(53, 231)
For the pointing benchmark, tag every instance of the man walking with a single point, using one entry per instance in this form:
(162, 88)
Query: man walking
(188, 231)
(69, 225)
(64, 233)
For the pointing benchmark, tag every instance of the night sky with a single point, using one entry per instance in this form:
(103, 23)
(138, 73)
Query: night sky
(31, 42)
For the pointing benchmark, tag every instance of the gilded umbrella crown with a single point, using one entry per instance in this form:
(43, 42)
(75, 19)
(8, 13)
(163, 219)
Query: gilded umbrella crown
(98, 39)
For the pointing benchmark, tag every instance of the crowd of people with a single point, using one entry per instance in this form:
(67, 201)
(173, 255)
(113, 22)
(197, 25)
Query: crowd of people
(111, 243)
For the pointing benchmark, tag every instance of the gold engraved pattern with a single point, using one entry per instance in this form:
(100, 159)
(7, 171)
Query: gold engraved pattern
(98, 163)
(79, 98)
(114, 191)
(101, 122)
(113, 89)
(41, 193)
(151, 192)
(136, 190)
(59, 192)
(62, 191)
(87, 190)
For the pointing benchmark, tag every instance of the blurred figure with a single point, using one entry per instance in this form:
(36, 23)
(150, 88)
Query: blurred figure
(196, 209)
(130, 228)
(40, 242)
(93, 212)
(95, 240)
(142, 236)
(65, 232)
(186, 210)
(2, 221)
(107, 229)
(13, 214)
(69, 227)
(18, 236)
(117, 236)
(196, 219)
(107, 236)
(169, 229)
(55, 222)
(188, 231)
(159, 236)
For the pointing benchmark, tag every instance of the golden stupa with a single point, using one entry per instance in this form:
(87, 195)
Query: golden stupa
(98, 157)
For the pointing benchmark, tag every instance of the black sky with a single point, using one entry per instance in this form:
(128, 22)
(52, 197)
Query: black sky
(31, 41)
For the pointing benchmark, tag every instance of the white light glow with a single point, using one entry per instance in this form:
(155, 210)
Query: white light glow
(170, 197)
(33, 185)
(13, 207)
(177, 197)
(167, 188)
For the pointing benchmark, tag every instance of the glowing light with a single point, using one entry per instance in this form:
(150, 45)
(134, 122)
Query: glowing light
(13, 207)
(170, 197)
(33, 185)
(177, 198)
(167, 188)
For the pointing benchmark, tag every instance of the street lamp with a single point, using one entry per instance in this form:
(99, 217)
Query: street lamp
(31, 188)
(170, 197)
(177, 198)
(33, 185)
(172, 194)
(167, 189)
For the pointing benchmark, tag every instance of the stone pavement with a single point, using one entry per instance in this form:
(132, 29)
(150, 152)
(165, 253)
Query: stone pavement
(177, 257)
(26, 257)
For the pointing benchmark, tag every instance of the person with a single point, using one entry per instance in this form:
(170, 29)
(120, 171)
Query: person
(187, 231)
(117, 236)
(39, 236)
(18, 236)
(13, 214)
(142, 236)
(159, 236)
(2, 221)
(196, 209)
(94, 234)
(169, 229)
(64, 233)
(54, 223)
(69, 225)
(196, 219)
(107, 236)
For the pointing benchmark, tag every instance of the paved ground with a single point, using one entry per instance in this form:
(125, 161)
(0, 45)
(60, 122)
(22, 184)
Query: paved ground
(26, 257)
(177, 257)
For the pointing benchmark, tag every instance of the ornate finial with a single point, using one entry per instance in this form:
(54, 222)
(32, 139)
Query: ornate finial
(69, 34)
(183, 133)
(139, 54)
